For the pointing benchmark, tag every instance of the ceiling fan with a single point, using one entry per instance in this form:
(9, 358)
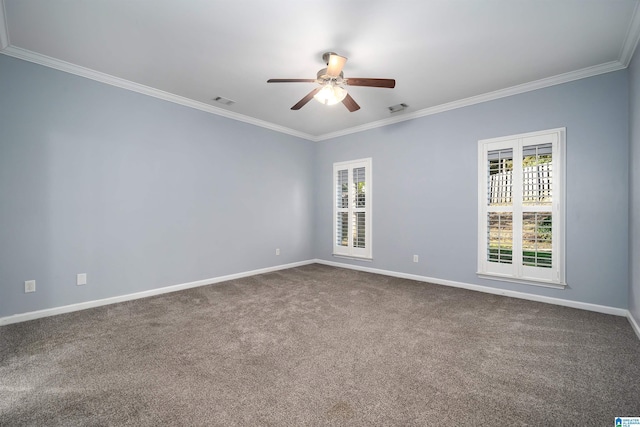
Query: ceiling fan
(332, 82)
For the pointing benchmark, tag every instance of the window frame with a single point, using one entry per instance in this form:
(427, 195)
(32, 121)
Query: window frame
(516, 271)
(350, 251)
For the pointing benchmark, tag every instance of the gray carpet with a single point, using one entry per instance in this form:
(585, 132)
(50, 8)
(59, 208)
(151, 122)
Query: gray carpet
(318, 345)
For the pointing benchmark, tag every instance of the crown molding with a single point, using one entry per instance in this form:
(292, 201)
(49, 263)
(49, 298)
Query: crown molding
(629, 46)
(632, 38)
(67, 67)
(77, 70)
(4, 29)
(490, 96)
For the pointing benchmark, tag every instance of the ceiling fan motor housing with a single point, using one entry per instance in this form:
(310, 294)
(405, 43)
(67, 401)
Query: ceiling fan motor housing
(323, 77)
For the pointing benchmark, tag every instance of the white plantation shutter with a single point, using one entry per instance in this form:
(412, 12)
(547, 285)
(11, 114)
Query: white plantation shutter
(352, 208)
(521, 209)
(499, 209)
(342, 207)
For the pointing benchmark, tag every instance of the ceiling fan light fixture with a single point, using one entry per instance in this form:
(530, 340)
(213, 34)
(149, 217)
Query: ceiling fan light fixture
(330, 94)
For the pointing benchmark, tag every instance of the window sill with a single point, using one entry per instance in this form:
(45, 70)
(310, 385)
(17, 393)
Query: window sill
(355, 258)
(543, 283)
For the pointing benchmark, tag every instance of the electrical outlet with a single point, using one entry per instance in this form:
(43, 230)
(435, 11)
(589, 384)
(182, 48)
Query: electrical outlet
(29, 286)
(415, 258)
(278, 251)
(81, 279)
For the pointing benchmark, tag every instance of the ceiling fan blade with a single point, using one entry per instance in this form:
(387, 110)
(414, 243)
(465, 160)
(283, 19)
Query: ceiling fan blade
(291, 80)
(355, 81)
(334, 67)
(306, 99)
(351, 105)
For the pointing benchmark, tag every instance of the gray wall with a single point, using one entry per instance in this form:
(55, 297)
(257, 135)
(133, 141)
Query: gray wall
(136, 192)
(634, 223)
(141, 193)
(425, 186)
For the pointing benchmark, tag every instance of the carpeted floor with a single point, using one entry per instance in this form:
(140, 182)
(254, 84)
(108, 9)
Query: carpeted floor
(318, 345)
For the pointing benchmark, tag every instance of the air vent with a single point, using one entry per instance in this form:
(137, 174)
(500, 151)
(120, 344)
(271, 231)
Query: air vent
(397, 108)
(223, 101)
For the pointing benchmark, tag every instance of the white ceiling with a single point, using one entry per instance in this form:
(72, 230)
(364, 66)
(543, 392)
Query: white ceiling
(443, 54)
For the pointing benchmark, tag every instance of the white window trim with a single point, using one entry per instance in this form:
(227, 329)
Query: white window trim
(349, 251)
(516, 275)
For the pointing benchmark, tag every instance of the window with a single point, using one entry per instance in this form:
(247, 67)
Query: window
(352, 208)
(521, 208)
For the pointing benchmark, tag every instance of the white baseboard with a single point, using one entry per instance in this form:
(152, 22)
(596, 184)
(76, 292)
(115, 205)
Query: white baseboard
(23, 317)
(486, 289)
(634, 324)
